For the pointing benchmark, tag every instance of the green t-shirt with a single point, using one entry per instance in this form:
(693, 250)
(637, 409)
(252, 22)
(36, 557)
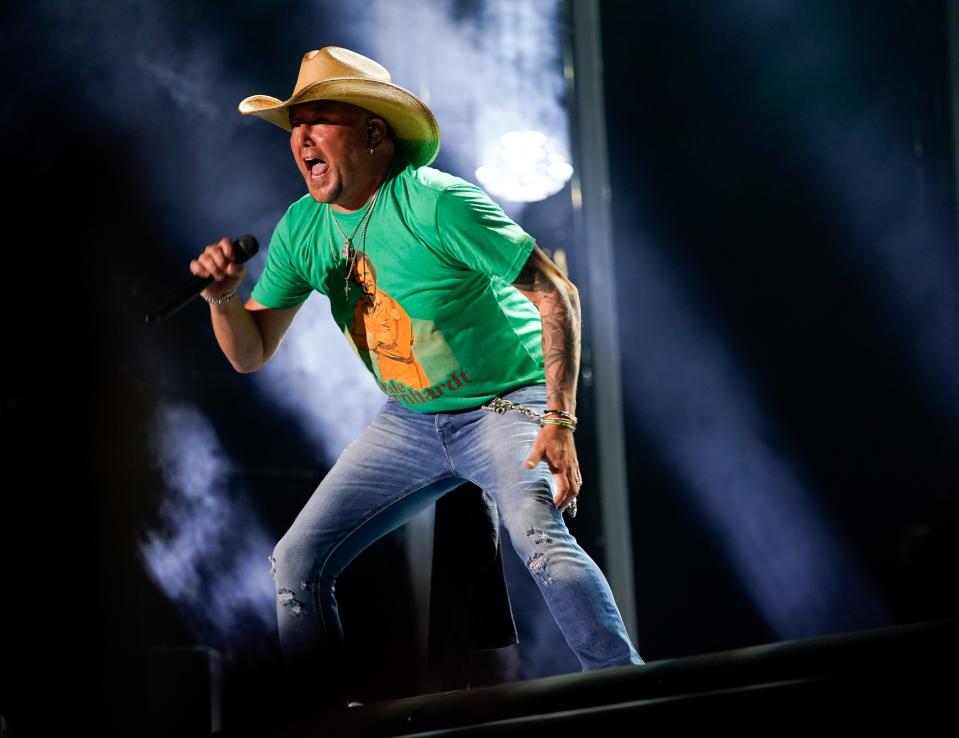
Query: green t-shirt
(436, 321)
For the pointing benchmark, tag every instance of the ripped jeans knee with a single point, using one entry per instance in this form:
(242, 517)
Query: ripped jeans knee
(297, 600)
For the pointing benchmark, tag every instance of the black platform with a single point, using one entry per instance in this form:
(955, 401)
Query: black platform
(904, 677)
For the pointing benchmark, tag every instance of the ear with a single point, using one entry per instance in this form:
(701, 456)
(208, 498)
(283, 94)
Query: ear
(375, 131)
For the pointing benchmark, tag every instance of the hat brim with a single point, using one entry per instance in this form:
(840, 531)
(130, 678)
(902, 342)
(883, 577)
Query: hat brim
(414, 124)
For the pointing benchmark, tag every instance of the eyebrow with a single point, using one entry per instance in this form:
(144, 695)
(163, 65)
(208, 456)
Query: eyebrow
(307, 112)
(321, 109)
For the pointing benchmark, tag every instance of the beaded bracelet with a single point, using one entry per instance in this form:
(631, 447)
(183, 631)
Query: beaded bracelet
(221, 299)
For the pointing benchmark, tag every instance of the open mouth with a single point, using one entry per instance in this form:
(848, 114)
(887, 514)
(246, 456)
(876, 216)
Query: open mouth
(316, 167)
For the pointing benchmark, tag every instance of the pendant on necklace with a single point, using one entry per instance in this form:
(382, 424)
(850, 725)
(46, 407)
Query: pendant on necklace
(347, 245)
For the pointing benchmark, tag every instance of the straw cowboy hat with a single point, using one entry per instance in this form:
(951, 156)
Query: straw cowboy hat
(333, 73)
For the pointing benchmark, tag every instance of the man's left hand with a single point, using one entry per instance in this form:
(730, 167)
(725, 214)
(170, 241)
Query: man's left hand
(555, 445)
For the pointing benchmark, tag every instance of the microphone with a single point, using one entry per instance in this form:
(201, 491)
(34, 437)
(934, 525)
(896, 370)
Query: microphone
(244, 248)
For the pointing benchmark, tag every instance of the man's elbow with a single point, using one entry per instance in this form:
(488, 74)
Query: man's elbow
(571, 299)
(567, 287)
(248, 364)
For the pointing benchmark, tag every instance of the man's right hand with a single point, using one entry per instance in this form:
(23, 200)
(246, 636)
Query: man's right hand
(217, 261)
(247, 334)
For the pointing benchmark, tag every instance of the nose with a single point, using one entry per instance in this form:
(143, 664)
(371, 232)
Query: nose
(301, 130)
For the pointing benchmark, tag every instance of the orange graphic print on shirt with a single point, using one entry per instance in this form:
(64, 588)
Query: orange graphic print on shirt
(382, 327)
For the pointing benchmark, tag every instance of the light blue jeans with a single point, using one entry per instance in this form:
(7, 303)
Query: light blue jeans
(399, 465)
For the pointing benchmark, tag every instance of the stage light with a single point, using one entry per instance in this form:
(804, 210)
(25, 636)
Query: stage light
(523, 166)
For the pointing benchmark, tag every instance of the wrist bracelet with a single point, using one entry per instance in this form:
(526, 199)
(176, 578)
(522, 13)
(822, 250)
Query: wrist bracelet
(559, 421)
(557, 411)
(221, 299)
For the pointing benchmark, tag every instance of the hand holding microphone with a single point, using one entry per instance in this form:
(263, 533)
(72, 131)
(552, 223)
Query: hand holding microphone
(217, 261)
(217, 271)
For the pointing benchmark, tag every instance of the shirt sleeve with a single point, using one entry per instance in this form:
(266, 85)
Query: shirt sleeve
(280, 284)
(475, 231)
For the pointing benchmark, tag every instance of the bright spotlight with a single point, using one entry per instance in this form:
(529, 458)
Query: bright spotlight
(523, 166)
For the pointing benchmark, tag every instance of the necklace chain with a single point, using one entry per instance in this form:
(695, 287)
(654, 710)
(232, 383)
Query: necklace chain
(348, 252)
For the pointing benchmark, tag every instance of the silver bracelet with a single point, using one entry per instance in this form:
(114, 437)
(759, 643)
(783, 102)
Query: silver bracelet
(221, 299)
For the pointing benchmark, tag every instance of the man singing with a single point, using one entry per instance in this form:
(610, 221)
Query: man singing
(465, 324)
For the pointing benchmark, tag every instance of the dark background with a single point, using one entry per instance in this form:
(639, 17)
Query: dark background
(788, 167)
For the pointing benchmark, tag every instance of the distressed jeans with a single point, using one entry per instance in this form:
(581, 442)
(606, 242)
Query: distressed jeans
(399, 465)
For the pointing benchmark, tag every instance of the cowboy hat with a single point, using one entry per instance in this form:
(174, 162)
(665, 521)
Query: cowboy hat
(333, 73)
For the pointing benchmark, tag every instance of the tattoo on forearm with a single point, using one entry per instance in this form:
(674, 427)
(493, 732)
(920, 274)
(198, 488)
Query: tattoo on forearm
(560, 313)
(557, 300)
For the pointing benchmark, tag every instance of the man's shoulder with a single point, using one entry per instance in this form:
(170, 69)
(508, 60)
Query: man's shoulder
(428, 179)
(436, 179)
